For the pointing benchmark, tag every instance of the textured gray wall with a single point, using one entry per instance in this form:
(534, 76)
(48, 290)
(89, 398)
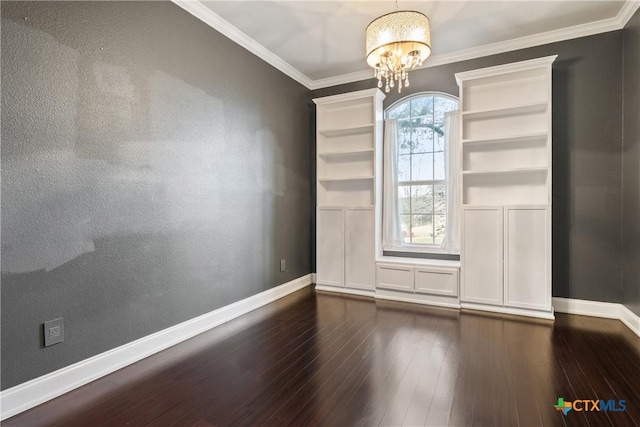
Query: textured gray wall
(152, 171)
(587, 135)
(631, 165)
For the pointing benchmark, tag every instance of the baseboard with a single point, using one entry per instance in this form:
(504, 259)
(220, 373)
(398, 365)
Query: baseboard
(508, 310)
(359, 292)
(630, 319)
(607, 310)
(430, 300)
(314, 278)
(39, 390)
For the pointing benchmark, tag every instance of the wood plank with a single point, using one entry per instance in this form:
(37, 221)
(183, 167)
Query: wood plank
(321, 359)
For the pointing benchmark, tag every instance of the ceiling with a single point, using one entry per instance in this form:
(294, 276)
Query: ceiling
(321, 43)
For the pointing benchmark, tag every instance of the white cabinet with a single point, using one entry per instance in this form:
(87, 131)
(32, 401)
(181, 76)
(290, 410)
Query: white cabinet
(349, 132)
(345, 248)
(505, 187)
(359, 248)
(418, 278)
(436, 281)
(481, 251)
(330, 246)
(395, 277)
(506, 257)
(527, 272)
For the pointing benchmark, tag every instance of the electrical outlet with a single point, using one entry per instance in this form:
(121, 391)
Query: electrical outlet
(283, 265)
(53, 332)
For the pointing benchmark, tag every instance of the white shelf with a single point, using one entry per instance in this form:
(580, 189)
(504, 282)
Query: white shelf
(345, 153)
(342, 206)
(513, 110)
(505, 171)
(347, 178)
(355, 130)
(507, 139)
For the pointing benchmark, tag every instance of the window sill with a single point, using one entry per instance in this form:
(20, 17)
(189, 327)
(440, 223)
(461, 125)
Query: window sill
(416, 249)
(425, 262)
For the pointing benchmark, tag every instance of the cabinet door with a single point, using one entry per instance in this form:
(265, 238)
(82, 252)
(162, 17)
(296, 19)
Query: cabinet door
(527, 258)
(359, 248)
(330, 246)
(395, 277)
(437, 281)
(481, 255)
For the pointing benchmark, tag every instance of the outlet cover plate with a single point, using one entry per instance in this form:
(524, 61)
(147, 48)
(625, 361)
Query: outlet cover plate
(283, 265)
(53, 332)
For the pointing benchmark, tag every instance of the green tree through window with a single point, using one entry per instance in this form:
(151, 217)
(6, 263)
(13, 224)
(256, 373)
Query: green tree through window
(422, 182)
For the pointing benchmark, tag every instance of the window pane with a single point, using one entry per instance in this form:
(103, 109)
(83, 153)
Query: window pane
(405, 225)
(423, 135)
(440, 198)
(421, 106)
(422, 199)
(440, 226)
(422, 229)
(445, 104)
(439, 171)
(404, 136)
(421, 157)
(422, 167)
(400, 111)
(404, 168)
(404, 198)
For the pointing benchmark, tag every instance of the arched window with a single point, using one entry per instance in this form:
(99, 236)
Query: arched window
(422, 171)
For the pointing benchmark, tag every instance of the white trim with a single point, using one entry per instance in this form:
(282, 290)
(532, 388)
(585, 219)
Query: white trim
(341, 97)
(630, 319)
(359, 292)
(314, 278)
(209, 17)
(508, 310)
(583, 30)
(504, 69)
(627, 11)
(422, 299)
(206, 15)
(422, 262)
(608, 310)
(39, 390)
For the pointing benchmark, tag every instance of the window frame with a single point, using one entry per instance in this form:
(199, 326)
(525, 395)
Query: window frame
(416, 247)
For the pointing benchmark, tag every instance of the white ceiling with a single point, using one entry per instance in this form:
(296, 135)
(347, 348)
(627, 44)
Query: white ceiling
(321, 43)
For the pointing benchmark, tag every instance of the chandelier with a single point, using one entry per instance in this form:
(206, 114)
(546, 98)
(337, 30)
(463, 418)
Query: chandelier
(397, 43)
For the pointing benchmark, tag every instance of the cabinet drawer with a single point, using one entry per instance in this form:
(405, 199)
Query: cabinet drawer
(438, 281)
(396, 277)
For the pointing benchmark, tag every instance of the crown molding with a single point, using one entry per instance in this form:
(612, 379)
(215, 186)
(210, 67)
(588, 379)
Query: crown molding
(209, 17)
(206, 15)
(582, 30)
(628, 10)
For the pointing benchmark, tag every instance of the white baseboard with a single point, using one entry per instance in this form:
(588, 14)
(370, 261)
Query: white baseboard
(431, 300)
(607, 310)
(630, 319)
(314, 278)
(508, 310)
(39, 390)
(359, 292)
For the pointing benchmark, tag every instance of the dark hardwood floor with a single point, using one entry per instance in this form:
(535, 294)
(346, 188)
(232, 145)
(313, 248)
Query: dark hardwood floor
(324, 359)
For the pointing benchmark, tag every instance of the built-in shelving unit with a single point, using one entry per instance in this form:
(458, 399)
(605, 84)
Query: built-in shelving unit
(349, 133)
(505, 187)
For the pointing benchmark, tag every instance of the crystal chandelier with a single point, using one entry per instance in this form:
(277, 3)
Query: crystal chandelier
(397, 43)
